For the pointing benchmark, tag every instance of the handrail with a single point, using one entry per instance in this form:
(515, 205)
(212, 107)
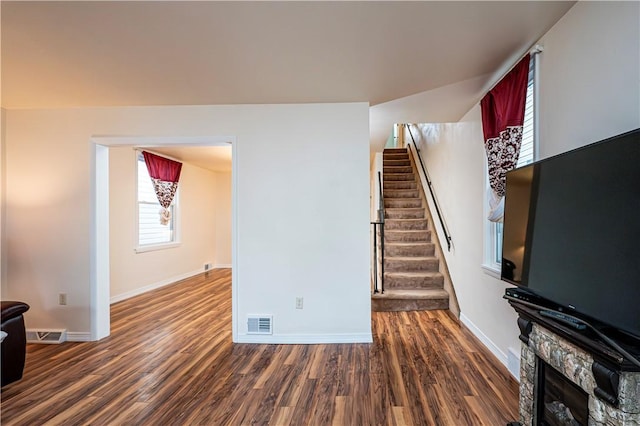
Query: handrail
(433, 197)
(375, 255)
(381, 219)
(379, 222)
(380, 199)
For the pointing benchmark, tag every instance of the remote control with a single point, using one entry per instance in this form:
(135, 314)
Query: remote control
(571, 322)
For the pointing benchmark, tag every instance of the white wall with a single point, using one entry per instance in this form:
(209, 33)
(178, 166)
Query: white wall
(3, 270)
(302, 210)
(589, 90)
(454, 157)
(132, 273)
(223, 220)
(590, 76)
(444, 104)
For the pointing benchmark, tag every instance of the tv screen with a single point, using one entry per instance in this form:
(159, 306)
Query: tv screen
(572, 230)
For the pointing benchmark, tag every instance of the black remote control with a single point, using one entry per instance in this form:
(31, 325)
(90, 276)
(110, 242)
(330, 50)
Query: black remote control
(567, 320)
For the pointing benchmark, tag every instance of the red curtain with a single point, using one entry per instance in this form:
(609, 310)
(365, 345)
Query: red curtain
(162, 168)
(165, 175)
(502, 119)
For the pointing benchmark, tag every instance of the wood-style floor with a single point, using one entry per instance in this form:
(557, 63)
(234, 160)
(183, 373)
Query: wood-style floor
(170, 361)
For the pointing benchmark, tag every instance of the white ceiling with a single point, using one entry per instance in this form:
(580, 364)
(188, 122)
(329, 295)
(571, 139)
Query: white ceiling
(122, 53)
(214, 158)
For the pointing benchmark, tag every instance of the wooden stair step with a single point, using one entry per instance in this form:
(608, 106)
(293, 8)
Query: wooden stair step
(400, 184)
(411, 263)
(398, 176)
(396, 162)
(395, 157)
(401, 193)
(405, 224)
(410, 300)
(402, 202)
(406, 213)
(413, 280)
(396, 169)
(403, 249)
(423, 236)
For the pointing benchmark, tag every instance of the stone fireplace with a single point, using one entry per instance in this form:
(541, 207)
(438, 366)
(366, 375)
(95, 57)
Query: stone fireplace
(574, 373)
(559, 400)
(608, 404)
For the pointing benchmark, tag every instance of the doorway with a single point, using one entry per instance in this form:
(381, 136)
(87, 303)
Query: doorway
(100, 238)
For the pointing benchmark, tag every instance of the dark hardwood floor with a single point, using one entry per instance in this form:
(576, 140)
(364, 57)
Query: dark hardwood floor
(170, 361)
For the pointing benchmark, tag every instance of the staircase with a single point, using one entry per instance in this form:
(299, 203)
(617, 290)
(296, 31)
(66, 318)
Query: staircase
(412, 280)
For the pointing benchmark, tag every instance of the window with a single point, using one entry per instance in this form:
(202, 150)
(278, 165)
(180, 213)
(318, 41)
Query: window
(152, 234)
(493, 248)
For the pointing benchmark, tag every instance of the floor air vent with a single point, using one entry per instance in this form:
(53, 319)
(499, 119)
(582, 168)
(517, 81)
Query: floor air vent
(46, 336)
(259, 324)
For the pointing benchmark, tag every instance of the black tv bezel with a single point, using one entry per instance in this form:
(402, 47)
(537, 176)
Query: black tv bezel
(600, 322)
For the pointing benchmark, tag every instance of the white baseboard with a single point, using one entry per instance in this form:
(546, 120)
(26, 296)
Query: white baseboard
(305, 339)
(78, 336)
(282, 339)
(222, 266)
(495, 350)
(513, 362)
(153, 286)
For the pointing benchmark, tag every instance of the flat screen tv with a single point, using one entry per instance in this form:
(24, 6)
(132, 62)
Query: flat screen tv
(572, 231)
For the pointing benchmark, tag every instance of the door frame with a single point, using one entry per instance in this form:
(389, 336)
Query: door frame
(99, 281)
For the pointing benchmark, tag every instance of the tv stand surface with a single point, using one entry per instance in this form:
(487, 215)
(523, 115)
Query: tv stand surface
(582, 337)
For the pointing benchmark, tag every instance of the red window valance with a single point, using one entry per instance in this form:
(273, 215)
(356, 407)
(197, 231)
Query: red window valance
(165, 174)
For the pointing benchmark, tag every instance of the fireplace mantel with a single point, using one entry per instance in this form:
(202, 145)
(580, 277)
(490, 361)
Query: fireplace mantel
(611, 382)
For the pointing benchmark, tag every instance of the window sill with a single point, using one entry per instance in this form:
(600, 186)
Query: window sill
(492, 270)
(155, 247)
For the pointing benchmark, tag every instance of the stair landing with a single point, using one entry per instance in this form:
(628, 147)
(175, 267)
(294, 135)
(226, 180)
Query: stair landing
(411, 300)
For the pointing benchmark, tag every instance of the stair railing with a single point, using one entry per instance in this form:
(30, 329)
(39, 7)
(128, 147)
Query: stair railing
(378, 224)
(430, 186)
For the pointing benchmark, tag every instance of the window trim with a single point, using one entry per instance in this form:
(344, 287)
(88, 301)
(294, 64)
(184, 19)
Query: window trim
(489, 265)
(176, 241)
(156, 247)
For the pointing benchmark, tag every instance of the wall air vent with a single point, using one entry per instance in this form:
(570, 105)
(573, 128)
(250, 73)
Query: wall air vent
(46, 336)
(259, 324)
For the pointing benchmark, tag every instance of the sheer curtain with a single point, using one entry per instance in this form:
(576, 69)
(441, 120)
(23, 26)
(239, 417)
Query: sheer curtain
(165, 175)
(502, 119)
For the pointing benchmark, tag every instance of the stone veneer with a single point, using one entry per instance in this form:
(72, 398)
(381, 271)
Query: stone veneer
(575, 364)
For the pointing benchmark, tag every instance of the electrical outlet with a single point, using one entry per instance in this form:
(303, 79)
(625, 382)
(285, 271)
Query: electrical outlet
(208, 266)
(62, 298)
(299, 301)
